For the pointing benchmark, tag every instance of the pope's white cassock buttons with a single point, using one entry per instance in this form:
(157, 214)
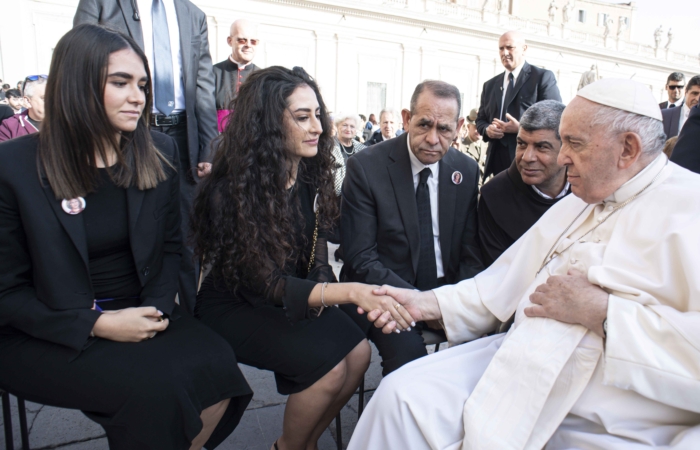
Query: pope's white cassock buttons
(457, 177)
(73, 206)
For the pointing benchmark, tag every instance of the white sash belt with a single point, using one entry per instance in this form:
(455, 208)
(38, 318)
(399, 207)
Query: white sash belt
(521, 399)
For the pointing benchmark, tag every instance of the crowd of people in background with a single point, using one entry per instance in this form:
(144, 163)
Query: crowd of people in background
(221, 185)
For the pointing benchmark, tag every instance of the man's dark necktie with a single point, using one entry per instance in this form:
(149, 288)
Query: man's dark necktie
(509, 89)
(672, 105)
(162, 61)
(426, 276)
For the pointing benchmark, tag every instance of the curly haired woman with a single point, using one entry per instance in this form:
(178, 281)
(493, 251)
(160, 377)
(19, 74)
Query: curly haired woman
(261, 218)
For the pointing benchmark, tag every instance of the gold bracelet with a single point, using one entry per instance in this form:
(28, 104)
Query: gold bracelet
(323, 288)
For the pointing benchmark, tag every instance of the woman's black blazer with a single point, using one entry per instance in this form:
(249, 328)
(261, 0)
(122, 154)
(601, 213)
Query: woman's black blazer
(45, 287)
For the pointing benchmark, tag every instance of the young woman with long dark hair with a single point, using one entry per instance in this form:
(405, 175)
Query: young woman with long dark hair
(89, 255)
(261, 219)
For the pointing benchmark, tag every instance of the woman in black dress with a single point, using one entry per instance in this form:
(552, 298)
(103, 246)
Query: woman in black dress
(261, 219)
(89, 256)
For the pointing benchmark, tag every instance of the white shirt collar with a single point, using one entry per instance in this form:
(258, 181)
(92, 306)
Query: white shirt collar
(560, 195)
(637, 183)
(516, 73)
(416, 165)
(678, 103)
(686, 110)
(240, 65)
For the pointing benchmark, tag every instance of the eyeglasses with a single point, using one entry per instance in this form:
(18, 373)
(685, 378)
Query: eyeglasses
(243, 41)
(679, 86)
(33, 78)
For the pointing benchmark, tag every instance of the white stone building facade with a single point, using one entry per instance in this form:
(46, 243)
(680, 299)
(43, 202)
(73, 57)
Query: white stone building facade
(369, 54)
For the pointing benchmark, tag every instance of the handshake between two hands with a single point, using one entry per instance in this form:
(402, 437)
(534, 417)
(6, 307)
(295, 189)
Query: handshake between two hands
(392, 309)
(569, 298)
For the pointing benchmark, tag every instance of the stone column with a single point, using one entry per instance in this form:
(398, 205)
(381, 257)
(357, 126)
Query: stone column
(326, 75)
(411, 73)
(347, 65)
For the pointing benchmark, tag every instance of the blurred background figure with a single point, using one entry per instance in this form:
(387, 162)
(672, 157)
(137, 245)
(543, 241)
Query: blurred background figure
(230, 73)
(388, 121)
(6, 87)
(370, 127)
(674, 88)
(669, 146)
(28, 121)
(674, 118)
(346, 144)
(471, 142)
(15, 100)
(5, 112)
(505, 98)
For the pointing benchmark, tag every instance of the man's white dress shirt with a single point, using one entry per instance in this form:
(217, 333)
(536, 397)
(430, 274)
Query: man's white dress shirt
(145, 11)
(417, 167)
(516, 73)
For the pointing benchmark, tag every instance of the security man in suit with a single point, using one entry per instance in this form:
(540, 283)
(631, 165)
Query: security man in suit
(674, 87)
(685, 153)
(674, 118)
(408, 217)
(174, 36)
(505, 98)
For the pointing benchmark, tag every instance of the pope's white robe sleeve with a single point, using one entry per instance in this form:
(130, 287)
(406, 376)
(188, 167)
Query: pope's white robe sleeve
(474, 307)
(464, 316)
(655, 351)
(653, 337)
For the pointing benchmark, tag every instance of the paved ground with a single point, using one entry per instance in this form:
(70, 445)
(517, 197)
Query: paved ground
(261, 425)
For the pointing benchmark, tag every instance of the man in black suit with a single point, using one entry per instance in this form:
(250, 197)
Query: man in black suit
(506, 97)
(686, 153)
(408, 216)
(387, 127)
(183, 87)
(674, 118)
(674, 87)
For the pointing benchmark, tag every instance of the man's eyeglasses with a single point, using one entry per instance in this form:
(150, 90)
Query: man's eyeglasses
(680, 86)
(243, 41)
(33, 78)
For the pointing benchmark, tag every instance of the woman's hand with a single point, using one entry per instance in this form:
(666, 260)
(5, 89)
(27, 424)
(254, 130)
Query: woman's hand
(130, 324)
(420, 305)
(368, 298)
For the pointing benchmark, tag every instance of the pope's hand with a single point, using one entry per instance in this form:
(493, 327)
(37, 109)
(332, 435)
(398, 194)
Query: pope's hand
(421, 306)
(571, 298)
(369, 298)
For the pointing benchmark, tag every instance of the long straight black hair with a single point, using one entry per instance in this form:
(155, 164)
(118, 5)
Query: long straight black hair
(76, 127)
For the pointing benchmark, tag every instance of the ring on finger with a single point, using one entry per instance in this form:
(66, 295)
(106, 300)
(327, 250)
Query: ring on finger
(397, 306)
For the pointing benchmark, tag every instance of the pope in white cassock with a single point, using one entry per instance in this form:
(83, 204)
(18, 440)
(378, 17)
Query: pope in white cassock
(605, 349)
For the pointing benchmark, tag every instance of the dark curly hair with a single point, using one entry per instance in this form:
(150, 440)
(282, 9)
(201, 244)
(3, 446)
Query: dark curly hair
(244, 218)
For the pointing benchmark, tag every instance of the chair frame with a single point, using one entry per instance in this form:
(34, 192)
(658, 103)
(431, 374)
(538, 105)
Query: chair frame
(434, 340)
(7, 421)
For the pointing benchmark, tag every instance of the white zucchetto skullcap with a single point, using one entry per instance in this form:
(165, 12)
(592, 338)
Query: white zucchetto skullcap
(624, 94)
